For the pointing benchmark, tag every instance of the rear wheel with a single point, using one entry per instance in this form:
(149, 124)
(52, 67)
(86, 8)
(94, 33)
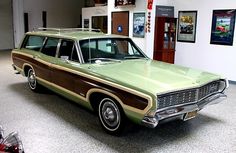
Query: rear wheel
(111, 116)
(32, 82)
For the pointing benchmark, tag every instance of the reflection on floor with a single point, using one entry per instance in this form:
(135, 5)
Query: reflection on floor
(48, 123)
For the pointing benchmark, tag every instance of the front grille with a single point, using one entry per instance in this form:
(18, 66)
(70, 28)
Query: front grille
(177, 98)
(187, 96)
(208, 89)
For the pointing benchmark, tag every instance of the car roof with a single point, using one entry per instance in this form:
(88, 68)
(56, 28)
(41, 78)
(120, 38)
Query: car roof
(74, 34)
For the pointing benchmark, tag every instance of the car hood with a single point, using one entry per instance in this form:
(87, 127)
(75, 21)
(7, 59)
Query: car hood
(152, 76)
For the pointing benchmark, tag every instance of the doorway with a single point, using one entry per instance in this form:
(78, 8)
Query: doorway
(26, 22)
(120, 23)
(44, 19)
(6, 25)
(100, 22)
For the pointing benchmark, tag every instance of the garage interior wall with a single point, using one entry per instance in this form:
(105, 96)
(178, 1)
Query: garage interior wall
(60, 13)
(146, 43)
(6, 25)
(89, 12)
(203, 55)
(140, 6)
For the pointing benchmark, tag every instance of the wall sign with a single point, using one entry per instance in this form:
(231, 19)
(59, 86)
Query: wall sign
(120, 28)
(165, 11)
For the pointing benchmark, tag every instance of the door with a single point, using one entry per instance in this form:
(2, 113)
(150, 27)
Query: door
(26, 22)
(67, 55)
(49, 57)
(100, 22)
(6, 25)
(120, 23)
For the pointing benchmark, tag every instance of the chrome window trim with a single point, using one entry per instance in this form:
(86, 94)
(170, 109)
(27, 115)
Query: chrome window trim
(74, 46)
(58, 48)
(79, 52)
(44, 42)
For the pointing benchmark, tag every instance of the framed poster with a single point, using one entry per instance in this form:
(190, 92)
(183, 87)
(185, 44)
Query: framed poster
(139, 25)
(187, 26)
(222, 29)
(124, 2)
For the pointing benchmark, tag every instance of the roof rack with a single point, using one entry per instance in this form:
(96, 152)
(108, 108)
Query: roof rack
(60, 30)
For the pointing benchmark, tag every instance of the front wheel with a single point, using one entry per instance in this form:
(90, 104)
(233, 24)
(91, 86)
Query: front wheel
(111, 116)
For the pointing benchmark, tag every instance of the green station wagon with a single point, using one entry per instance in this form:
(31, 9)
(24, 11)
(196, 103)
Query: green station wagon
(112, 76)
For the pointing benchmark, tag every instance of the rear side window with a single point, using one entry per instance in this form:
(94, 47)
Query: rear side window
(50, 48)
(33, 42)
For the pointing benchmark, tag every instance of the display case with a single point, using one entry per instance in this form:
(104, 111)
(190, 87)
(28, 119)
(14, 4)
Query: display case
(165, 39)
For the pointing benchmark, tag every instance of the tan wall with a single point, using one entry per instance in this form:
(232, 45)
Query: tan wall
(60, 13)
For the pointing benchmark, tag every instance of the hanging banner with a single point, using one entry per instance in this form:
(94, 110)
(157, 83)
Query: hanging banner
(148, 23)
(149, 5)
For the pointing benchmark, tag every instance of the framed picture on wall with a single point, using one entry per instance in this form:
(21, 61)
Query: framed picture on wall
(222, 29)
(86, 23)
(139, 25)
(124, 2)
(187, 26)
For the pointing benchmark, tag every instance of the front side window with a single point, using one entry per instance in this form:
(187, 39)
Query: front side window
(50, 47)
(109, 49)
(33, 42)
(67, 51)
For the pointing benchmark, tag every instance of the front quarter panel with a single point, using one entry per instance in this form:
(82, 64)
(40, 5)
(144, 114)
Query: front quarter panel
(134, 102)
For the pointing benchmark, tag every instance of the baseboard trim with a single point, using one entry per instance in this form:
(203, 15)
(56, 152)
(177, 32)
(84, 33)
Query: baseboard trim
(232, 82)
(5, 50)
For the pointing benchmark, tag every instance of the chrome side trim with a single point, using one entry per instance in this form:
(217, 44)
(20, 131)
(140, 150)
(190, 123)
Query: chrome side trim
(152, 121)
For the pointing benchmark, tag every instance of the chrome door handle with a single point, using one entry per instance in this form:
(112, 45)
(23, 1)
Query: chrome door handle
(35, 57)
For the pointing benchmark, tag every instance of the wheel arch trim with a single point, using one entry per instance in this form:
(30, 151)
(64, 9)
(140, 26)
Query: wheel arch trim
(115, 97)
(25, 65)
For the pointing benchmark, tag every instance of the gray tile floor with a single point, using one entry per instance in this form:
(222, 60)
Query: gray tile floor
(48, 123)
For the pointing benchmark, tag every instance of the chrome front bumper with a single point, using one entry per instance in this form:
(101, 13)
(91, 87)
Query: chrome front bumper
(181, 110)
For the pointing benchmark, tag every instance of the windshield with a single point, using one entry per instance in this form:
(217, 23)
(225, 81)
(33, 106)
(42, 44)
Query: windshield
(109, 49)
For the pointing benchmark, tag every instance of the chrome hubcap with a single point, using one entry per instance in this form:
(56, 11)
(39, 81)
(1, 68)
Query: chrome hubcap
(32, 79)
(110, 114)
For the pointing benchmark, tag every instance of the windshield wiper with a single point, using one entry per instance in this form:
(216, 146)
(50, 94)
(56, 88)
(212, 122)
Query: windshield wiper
(98, 60)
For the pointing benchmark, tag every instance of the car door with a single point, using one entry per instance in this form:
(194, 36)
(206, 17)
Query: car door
(47, 58)
(61, 69)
